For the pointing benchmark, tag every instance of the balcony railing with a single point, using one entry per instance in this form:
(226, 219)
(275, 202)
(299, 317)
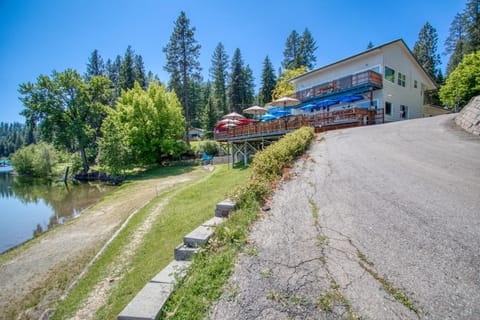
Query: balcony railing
(366, 78)
(321, 122)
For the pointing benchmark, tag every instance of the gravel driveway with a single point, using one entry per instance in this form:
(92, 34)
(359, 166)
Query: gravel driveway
(379, 222)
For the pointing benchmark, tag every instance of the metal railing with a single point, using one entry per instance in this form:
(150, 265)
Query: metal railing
(368, 77)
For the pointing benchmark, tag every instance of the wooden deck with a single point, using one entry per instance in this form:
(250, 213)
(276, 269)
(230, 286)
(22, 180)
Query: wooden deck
(323, 121)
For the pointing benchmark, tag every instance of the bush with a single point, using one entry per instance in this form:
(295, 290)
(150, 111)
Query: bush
(37, 160)
(212, 148)
(268, 164)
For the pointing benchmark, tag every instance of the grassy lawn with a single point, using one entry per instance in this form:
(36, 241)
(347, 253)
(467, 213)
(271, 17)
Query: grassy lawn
(187, 206)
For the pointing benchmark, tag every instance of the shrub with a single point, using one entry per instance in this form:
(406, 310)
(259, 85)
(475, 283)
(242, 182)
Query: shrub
(268, 164)
(36, 160)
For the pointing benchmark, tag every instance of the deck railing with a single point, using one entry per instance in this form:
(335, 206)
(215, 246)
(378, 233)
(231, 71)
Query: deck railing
(353, 116)
(363, 78)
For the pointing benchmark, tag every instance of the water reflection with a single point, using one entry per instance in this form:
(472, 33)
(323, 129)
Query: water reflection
(30, 206)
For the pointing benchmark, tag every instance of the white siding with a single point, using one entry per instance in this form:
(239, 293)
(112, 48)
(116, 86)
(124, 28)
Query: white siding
(397, 57)
(363, 63)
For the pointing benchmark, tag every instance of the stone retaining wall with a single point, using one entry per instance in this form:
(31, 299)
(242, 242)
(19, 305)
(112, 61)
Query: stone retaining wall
(469, 117)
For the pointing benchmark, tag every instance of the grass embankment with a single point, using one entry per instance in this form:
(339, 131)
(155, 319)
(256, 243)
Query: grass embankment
(211, 269)
(183, 208)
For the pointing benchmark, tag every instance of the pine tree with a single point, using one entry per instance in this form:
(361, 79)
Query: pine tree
(182, 53)
(249, 87)
(472, 25)
(95, 66)
(219, 74)
(139, 72)
(209, 114)
(299, 51)
(425, 50)
(113, 73)
(455, 42)
(126, 76)
(306, 50)
(290, 54)
(237, 82)
(268, 82)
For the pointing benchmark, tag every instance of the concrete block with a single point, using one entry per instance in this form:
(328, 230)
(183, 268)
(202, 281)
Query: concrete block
(147, 303)
(224, 208)
(184, 253)
(173, 271)
(214, 222)
(198, 237)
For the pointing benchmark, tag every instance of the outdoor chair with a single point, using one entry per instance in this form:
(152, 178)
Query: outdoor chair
(206, 158)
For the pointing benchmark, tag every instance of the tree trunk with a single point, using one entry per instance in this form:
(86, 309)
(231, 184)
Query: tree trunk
(84, 160)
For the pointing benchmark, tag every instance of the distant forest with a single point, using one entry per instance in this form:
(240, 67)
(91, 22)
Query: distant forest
(14, 136)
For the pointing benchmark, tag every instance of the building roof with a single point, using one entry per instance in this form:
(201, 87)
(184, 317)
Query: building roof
(398, 41)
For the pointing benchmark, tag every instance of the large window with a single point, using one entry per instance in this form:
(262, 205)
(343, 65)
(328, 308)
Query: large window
(388, 108)
(401, 79)
(389, 74)
(415, 84)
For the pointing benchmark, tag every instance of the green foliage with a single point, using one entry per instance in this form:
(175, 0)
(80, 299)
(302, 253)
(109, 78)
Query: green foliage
(15, 135)
(464, 36)
(182, 53)
(146, 126)
(283, 87)
(219, 74)
(463, 83)
(68, 110)
(425, 50)
(299, 51)
(36, 160)
(240, 86)
(268, 82)
(95, 66)
(209, 147)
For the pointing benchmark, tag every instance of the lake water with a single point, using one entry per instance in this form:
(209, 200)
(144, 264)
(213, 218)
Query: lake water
(29, 207)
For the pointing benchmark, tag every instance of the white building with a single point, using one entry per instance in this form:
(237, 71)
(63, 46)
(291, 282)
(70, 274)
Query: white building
(386, 77)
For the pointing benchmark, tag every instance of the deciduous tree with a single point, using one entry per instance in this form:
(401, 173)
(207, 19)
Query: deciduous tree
(283, 87)
(68, 110)
(151, 122)
(463, 83)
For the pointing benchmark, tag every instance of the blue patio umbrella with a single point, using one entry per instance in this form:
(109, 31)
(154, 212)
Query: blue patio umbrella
(268, 116)
(326, 103)
(309, 107)
(351, 98)
(279, 114)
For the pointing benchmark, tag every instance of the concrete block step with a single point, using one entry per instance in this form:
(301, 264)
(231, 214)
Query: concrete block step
(147, 303)
(173, 271)
(184, 253)
(224, 208)
(150, 300)
(198, 237)
(214, 222)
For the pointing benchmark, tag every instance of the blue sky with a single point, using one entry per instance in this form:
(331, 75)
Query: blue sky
(37, 37)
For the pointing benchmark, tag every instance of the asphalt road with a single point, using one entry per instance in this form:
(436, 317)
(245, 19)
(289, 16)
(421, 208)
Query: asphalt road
(379, 222)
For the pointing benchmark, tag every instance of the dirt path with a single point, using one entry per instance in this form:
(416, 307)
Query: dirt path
(72, 245)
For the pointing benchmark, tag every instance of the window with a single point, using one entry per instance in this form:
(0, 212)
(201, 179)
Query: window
(415, 84)
(389, 74)
(401, 79)
(388, 108)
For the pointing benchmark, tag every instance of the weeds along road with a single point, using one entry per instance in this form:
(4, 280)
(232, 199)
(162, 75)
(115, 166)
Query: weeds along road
(378, 222)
